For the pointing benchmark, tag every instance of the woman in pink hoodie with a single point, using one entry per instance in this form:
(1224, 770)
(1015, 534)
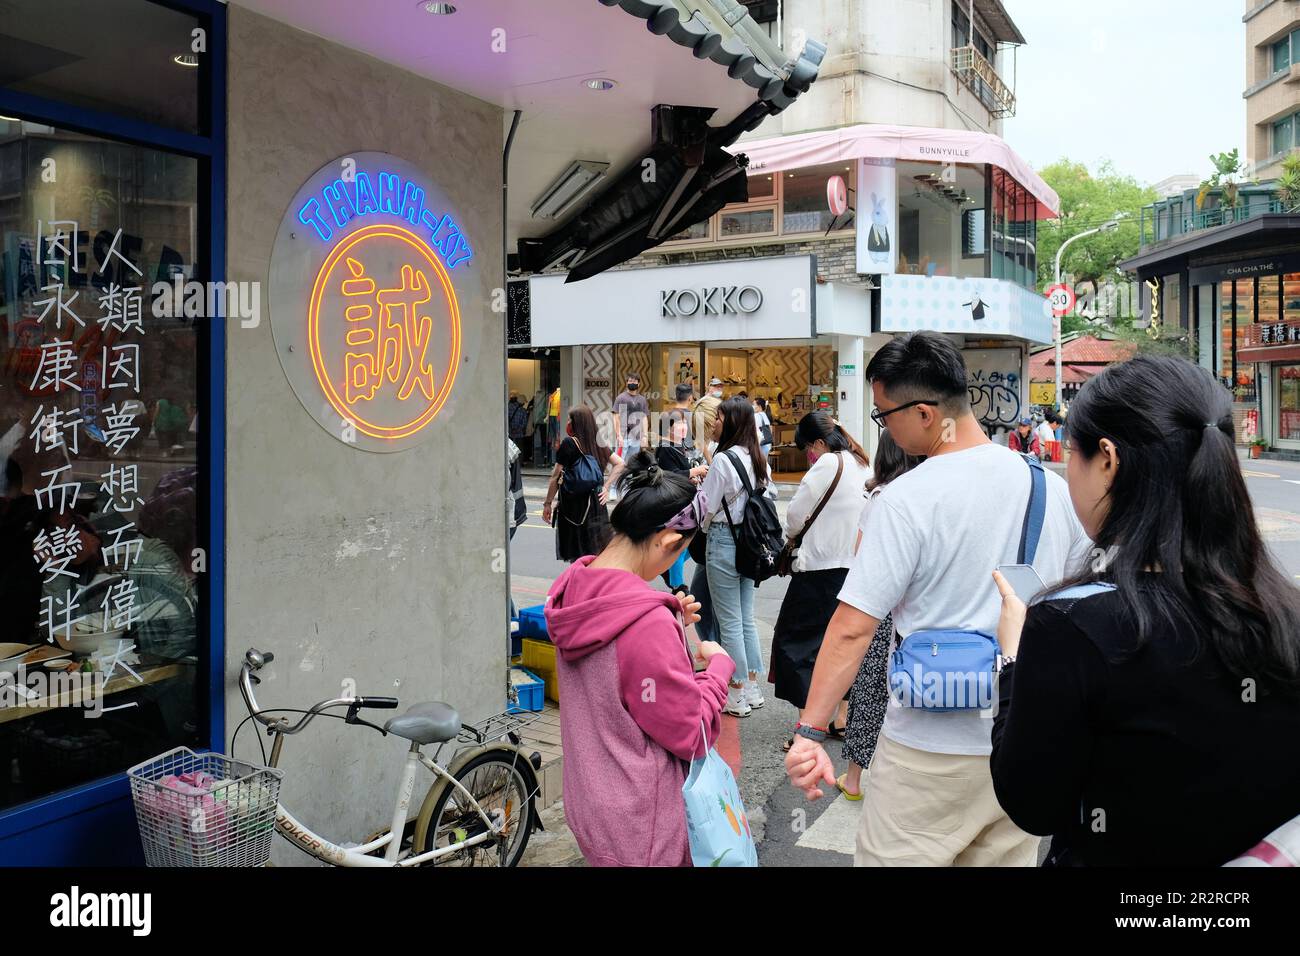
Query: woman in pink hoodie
(635, 710)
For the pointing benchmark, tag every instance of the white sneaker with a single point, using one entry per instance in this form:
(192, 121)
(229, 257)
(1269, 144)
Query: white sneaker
(736, 705)
(753, 695)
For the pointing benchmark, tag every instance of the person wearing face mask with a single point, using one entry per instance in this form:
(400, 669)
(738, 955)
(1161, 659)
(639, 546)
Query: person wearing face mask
(706, 413)
(631, 412)
(822, 522)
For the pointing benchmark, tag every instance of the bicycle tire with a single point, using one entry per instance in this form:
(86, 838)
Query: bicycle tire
(427, 835)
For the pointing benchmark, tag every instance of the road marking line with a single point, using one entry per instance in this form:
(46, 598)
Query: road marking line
(1261, 474)
(1291, 481)
(835, 830)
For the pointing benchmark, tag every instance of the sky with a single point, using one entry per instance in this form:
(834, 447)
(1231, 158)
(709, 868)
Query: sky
(1153, 85)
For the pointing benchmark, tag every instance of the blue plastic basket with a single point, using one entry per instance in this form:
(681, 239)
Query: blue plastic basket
(532, 693)
(532, 622)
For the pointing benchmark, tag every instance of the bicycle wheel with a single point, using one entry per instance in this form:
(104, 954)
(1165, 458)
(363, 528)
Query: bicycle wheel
(499, 779)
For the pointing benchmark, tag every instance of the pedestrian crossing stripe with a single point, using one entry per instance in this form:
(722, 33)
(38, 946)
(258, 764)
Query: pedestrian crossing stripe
(1263, 474)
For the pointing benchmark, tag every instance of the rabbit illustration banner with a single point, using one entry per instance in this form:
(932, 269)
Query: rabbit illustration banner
(877, 215)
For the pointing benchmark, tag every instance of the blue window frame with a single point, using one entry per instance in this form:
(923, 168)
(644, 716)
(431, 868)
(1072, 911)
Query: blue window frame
(83, 824)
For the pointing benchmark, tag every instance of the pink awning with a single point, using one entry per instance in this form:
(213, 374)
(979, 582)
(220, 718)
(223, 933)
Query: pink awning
(900, 142)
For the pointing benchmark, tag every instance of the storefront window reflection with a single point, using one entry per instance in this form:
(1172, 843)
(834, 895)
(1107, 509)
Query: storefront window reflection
(936, 203)
(100, 427)
(1288, 402)
(803, 204)
(1244, 383)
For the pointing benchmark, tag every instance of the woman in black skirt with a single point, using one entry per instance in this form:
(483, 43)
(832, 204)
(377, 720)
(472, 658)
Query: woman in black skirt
(837, 472)
(584, 470)
(869, 695)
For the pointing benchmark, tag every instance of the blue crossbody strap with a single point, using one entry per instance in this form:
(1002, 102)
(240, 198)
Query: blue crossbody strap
(1034, 512)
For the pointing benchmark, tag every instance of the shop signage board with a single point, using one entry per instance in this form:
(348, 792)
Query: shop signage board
(1270, 342)
(1244, 269)
(966, 306)
(771, 298)
(1042, 393)
(848, 371)
(877, 216)
(368, 271)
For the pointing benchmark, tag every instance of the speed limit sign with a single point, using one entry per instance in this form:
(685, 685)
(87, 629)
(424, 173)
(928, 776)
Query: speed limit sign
(1061, 296)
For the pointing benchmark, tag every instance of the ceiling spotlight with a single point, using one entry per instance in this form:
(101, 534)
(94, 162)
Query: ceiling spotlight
(599, 83)
(186, 59)
(10, 119)
(440, 9)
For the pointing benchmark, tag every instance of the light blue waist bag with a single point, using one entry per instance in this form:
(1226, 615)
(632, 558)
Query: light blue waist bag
(946, 670)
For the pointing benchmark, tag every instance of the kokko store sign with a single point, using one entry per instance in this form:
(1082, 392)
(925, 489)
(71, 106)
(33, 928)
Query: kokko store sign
(365, 284)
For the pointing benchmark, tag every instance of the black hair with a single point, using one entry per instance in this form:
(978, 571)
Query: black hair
(585, 434)
(739, 431)
(817, 425)
(761, 402)
(651, 496)
(13, 476)
(891, 461)
(684, 391)
(1179, 504)
(921, 366)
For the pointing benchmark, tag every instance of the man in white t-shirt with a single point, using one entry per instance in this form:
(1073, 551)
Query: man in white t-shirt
(928, 553)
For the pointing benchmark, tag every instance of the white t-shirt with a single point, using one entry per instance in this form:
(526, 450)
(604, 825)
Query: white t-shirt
(761, 419)
(1045, 432)
(928, 553)
(829, 542)
(723, 483)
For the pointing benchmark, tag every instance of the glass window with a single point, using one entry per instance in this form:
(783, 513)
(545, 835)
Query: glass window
(699, 231)
(58, 49)
(1281, 54)
(933, 202)
(100, 427)
(972, 233)
(1283, 134)
(762, 186)
(1291, 297)
(1244, 382)
(747, 222)
(1288, 406)
(1226, 305)
(803, 205)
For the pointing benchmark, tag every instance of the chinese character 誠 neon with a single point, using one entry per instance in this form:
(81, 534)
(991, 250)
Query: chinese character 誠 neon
(340, 202)
(383, 326)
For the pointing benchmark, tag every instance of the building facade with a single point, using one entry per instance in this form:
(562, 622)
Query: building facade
(889, 179)
(1273, 78)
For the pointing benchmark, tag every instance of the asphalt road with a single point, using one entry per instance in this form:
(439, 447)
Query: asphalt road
(791, 831)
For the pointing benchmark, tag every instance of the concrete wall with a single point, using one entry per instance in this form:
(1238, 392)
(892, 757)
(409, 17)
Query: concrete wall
(874, 47)
(1270, 100)
(376, 568)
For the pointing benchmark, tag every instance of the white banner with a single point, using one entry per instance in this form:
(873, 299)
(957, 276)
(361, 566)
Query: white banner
(877, 216)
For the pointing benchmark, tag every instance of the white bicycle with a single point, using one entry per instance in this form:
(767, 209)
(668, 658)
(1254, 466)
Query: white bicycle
(479, 811)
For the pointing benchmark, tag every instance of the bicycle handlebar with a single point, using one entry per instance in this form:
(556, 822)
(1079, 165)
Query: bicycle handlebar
(255, 660)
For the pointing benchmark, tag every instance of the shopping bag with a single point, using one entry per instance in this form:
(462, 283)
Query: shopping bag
(715, 816)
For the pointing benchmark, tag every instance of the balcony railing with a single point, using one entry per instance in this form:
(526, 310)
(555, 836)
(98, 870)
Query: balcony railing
(1179, 216)
(978, 73)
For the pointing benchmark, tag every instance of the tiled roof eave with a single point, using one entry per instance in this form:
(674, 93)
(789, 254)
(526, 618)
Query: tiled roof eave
(690, 23)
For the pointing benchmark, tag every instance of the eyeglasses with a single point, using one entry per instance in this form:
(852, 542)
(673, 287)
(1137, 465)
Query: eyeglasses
(879, 417)
(689, 518)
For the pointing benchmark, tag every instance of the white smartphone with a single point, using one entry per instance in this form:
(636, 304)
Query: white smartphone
(1024, 580)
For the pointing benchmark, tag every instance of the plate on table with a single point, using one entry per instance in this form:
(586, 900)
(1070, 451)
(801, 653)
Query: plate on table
(45, 655)
(11, 655)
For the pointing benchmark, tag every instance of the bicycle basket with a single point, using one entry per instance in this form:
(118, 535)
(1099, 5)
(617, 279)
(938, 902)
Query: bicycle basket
(204, 809)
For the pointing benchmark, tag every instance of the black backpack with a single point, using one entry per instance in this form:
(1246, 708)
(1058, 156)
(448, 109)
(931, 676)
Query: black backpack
(758, 537)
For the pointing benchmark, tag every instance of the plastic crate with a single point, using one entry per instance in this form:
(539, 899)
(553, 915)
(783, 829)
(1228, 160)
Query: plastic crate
(532, 622)
(530, 689)
(539, 657)
(516, 640)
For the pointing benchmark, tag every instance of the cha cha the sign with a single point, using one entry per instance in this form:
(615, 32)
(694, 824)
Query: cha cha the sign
(367, 276)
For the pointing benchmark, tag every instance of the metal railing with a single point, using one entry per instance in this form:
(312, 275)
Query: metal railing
(1169, 220)
(973, 69)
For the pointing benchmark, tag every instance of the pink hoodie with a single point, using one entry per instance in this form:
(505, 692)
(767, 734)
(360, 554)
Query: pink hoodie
(631, 714)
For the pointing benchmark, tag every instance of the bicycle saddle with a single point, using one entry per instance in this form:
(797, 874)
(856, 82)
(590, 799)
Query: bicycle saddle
(428, 723)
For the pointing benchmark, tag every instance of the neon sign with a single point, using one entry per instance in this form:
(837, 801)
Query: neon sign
(340, 202)
(366, 301)
(386, 332)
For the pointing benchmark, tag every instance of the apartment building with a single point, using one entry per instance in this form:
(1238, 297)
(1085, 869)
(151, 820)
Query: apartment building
(1273, 78)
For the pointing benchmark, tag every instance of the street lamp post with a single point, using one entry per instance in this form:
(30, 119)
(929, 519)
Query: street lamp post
(1107, 226)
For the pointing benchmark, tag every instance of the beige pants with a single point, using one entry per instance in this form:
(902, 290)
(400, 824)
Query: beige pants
(928, 809)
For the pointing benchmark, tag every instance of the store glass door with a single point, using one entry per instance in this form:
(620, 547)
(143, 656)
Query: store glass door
(1288, 405)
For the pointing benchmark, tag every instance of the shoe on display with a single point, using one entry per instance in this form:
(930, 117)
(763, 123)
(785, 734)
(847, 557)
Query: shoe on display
(736, 705)
(753, 696)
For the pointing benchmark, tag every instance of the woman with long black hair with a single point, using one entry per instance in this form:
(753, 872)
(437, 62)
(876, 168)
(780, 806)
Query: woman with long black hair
(584, 470)
(823, 520)
(732, 595)
(1149, 713)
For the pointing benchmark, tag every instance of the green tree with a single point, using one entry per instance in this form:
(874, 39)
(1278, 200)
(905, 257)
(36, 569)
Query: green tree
(1226, 180)
(1288, 184)
(1088, 200)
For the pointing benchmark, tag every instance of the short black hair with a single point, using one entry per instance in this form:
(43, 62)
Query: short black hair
(920, 366)
(684, 391)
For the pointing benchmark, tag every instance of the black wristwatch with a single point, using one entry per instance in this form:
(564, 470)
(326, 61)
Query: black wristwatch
(812, 733)
(1005, 661)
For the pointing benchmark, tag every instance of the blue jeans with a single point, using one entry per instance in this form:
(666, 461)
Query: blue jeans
(733, 604)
